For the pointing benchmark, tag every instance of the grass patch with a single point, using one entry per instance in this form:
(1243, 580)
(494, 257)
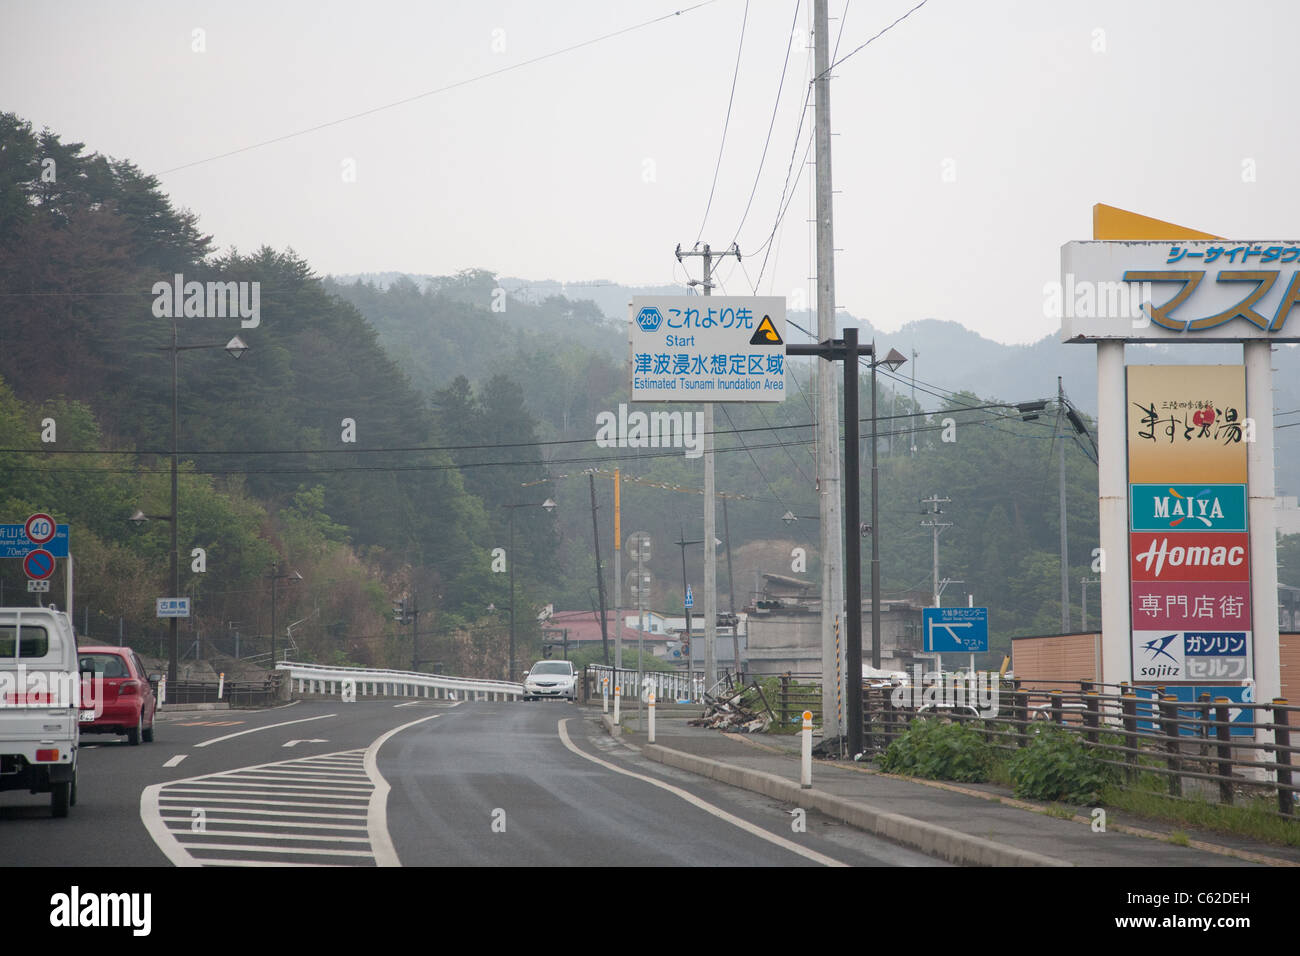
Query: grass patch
(940, 751)
(1252, 817)
(1060, 811)
(1179, 838)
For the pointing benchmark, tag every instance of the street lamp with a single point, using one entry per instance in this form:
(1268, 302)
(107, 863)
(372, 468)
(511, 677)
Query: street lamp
(790, 517)
(235, 348)
(549, 505)
(893, 361)
(277, 575)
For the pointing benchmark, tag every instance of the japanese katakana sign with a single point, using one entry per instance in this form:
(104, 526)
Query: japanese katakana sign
(1203, 291)
(707, 348)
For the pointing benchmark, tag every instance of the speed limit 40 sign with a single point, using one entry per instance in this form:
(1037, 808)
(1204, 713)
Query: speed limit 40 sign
(40, 528)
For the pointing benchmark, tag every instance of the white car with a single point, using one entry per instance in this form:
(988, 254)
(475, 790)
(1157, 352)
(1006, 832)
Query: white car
(551, 679)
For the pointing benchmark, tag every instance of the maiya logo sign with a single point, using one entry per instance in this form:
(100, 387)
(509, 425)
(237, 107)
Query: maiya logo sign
(1188, 507)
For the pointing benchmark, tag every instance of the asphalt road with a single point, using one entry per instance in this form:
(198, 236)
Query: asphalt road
(504, 783)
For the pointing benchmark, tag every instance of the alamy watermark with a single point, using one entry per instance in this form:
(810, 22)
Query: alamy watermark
(208, 300)
(1097, 300)
(651, 430)
(934, 691)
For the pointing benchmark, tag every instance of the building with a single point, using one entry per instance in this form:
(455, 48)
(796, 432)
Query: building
(784, 630)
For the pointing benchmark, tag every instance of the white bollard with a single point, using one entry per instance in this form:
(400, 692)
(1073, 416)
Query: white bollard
(162, 691)
(652, 717)
(805, 755)
(604, 695)
(617, 693)
(221, 684)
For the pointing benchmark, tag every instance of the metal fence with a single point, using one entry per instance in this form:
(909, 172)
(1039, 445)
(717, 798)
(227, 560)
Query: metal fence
(260, 693)
(1218, 749)
(667, 686)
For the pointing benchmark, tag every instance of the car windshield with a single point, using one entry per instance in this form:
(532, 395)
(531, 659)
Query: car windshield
(550, 667)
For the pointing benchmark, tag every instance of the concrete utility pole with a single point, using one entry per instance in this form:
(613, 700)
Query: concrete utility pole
(618, 574)
(936, 529)
(1065, 549)
(600, 572)
(710, 495)
(828, 455)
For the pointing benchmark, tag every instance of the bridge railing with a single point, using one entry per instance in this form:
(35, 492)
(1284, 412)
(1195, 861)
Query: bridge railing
(373, 682)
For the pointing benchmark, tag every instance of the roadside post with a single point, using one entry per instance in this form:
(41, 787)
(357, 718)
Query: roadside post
(805, 755)
(618, 691)
(221, 684)
(651, 737)
(604, 695)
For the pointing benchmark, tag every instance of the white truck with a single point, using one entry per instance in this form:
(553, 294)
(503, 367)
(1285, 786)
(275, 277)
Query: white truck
(40, 704)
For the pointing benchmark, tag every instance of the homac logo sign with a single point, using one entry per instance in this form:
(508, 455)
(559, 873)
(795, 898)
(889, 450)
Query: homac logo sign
(1188, 507)
(1190, 557)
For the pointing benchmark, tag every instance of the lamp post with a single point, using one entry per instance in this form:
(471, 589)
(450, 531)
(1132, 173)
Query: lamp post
(276, 575)
(549, 505)
(235, 348)
(893, 361)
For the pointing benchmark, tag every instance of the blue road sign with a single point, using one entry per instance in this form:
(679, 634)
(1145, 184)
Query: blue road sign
(690, 598)
(1237, 716)
(953, 630)
(14, 542)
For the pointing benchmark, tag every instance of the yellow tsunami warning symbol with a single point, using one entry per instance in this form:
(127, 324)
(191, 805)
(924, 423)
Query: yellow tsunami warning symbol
(766, 333)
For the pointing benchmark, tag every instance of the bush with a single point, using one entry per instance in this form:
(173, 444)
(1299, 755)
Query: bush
(940, 751)
(1058, 765)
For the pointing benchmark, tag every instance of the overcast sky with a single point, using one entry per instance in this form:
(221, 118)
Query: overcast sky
(972, 139)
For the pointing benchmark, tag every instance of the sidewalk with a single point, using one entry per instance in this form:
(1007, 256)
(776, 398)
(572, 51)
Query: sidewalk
(971, 824)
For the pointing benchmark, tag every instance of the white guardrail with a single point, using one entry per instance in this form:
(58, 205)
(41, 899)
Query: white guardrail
(369, 682)
(666, 686)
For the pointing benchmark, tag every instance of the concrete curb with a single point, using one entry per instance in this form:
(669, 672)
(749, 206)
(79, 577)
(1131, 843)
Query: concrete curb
(942, 842)
(192, 708)
(611, 728)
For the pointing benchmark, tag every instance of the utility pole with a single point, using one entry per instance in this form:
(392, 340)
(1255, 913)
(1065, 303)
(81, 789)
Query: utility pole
(710, 502)
(415, 632)
(1065, 550)
(936, 528)
(731, 590)
(618, 574)
(600, 576)
(1083, 586)
(912, 419)
(828, 456)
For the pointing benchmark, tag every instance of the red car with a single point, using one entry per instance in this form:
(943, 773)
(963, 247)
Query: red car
(128, 701)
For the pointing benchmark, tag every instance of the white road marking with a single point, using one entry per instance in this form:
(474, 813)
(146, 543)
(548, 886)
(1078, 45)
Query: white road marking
(313, 740)
(175, 760)
(377, 814)
(704, 805)
(253, 730)
(314, 822)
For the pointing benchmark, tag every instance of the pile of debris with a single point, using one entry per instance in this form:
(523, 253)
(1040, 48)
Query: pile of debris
(734, 711)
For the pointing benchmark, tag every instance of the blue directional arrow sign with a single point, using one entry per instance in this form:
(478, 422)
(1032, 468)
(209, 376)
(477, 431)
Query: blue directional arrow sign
(952, 630)
(14, 542)
(690, 598)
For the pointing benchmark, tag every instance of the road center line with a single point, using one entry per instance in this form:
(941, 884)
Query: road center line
(286, 723)
(704, 805)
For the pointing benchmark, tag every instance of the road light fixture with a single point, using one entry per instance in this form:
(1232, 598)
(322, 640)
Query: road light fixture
(549, 506)
(234, 348)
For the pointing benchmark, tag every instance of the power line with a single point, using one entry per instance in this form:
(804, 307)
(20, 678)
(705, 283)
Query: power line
(441, 89)
(771, 124)
(726, 123)
(863, 46)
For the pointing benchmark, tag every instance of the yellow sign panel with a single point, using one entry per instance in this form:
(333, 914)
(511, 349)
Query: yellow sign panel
(1109, 222)
(1186, 424)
